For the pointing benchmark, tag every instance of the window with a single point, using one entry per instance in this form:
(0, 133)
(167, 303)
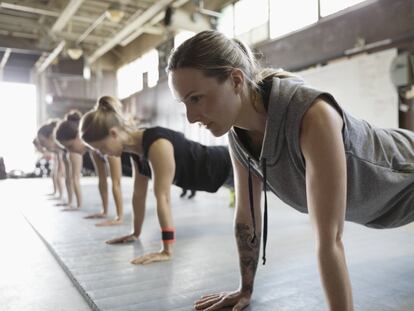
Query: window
(226, 21)
(130, 76)
(250, 14)
(129, 79)
(149, 63)
(182, 36)
(289, 16)
(333, 6)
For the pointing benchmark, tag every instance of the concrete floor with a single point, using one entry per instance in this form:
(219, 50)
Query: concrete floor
(30, 277)
(380, 261)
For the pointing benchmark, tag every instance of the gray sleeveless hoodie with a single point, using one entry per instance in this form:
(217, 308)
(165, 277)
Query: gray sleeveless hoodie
(380, 162)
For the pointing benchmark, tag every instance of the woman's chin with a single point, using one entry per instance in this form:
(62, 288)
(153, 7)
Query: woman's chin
(217, 131)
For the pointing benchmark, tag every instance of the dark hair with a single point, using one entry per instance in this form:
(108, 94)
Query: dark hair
(96, 123)
(69, 128)
(216, 55)
(46, 130)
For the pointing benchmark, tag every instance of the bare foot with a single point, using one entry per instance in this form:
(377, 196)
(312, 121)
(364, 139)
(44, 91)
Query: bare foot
(96, 216)
(109, 222)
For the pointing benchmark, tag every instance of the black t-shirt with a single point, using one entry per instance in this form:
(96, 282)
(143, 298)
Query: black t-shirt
(197, 167)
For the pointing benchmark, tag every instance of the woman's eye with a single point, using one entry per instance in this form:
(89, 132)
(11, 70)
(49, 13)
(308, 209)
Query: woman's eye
(194, 99)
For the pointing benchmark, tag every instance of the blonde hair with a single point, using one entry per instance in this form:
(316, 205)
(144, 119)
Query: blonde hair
(216, 55)
(107, 113)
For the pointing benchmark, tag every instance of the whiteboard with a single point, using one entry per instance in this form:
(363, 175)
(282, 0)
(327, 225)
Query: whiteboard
(361, 85)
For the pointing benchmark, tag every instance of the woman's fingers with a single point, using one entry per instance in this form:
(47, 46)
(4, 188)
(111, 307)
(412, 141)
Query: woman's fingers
(138, 260)
(217, 301)
(243, 303)
(95, 216)
(149, 258)
(207, 302)
(123, 239)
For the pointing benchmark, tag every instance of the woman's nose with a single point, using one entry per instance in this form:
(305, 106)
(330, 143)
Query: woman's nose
(191, 115)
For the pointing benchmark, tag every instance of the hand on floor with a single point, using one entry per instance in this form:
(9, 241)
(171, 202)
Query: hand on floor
(237, 300)
(123, 239)
(109, 222)
(96, 216)
(71, 209)
(61, 204)
(151, 257)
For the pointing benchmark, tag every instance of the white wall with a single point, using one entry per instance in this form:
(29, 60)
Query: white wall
(361, 85)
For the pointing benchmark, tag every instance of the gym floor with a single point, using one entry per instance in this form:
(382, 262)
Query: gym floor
(85, 273)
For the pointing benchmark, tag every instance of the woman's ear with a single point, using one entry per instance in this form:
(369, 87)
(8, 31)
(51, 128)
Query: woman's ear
(113, 132)
(237, 78)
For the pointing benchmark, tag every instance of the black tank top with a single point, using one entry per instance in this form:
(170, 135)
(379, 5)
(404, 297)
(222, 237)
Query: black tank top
(143, 165)
(197, 167)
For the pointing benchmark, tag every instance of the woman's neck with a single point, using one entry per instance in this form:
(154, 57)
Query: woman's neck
(252, 116)
(132, 142)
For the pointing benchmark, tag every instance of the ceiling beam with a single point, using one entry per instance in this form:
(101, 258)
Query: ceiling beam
(22, 8)
(51, 57)
(5, 58)
(137, 23)
(150, 25)
(66, 15)
(42, 11)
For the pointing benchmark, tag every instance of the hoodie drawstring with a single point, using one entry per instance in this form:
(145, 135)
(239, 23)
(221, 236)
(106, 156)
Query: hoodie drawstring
(265, 210)
(251, 201)
(265, 206)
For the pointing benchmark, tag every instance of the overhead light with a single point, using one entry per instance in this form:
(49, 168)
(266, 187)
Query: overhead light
(114, 13)
(74, 52)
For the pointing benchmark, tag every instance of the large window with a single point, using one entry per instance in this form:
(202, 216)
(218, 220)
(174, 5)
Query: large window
(292, 15)
(182, 36)
(333, 6)
(129, 79)
(130, 76)
(149, 63)
(250, 14)
(226, 21)
(18, 126)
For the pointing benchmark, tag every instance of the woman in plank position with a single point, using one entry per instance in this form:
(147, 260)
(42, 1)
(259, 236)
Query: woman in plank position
(299, 143)
(173, 159)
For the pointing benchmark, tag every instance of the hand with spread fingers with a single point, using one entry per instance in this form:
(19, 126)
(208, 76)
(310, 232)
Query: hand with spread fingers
(152, 257)
(123, 239)
(238, 300)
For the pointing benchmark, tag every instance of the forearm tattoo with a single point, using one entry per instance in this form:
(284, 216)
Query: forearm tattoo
(248, 254)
